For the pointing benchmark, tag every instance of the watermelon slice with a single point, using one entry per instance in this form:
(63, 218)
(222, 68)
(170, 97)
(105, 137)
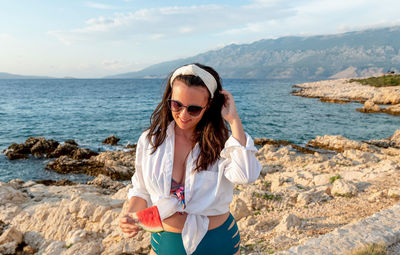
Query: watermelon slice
(149, 219)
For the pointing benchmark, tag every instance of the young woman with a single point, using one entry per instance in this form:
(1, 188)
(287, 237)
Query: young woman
(187, 163)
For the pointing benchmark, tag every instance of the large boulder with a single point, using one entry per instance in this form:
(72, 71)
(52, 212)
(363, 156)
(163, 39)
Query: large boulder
(312, 196)
(43, 147)
(239, 208)
(66, 149)
(17, 151)
(37, 146)
(112, 140)
(82, 153)
(66, 165)
(393, 141)
(106, 182)
(288, 222)
(370, 107)
(335, 142)
(9, 240)
(10, 235)
(114, 167)
(343, 188)
(8, 194)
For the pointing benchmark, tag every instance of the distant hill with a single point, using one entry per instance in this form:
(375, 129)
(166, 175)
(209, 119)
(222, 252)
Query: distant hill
(352, 54)
(17, 76)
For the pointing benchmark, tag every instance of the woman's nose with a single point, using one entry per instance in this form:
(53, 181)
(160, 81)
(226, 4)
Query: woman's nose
(184, 113)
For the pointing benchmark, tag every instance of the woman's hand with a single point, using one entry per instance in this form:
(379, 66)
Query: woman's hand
(129, 226)
(229, 112)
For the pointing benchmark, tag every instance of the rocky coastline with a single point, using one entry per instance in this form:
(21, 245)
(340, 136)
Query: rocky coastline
(375, 99)
(69, 158)
(302, 194)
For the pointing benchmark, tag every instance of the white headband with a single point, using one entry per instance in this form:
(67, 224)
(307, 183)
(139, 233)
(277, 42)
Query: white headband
(192, 69)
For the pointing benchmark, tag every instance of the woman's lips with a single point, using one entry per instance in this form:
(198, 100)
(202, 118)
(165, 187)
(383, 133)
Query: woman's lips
(184, 121)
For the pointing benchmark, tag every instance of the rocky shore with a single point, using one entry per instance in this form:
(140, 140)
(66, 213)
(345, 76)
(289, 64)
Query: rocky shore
(300, 196)
(375, 99)
(71, 159)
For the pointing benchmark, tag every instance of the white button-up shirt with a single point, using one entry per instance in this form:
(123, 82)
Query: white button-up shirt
(207, 192)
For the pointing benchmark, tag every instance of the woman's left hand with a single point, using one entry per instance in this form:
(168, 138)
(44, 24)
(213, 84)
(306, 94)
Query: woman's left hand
(229, 112)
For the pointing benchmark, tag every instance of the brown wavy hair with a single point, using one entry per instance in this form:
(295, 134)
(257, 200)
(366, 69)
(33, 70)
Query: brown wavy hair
(211, 132)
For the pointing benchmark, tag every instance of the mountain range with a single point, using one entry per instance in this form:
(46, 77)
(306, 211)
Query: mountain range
(352, 54)
(347, 55)
(17, 76)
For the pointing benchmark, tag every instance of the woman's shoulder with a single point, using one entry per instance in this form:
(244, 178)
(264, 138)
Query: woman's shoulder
(143, 138)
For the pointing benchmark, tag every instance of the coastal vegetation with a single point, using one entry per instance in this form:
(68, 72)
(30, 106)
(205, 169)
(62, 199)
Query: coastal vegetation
(382, 81)
(378, 94)
(334, 178)
(373, 249)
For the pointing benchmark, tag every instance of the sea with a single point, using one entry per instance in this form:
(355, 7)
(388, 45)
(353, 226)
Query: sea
(90, 110)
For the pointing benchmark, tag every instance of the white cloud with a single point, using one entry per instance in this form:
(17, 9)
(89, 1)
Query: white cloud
(380, 24)
(6, 38)
(175, 21)
(114, 64)
(8, 44)
(99, 6)
(158, 36)
(152, 35)
(249, 28)
(111, 66)
(185, 30)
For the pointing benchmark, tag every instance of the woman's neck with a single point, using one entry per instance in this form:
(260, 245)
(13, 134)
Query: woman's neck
(186, 134)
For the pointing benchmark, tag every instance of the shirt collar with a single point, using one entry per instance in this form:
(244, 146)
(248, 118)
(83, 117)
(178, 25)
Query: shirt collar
(171, 132)
(170, 129)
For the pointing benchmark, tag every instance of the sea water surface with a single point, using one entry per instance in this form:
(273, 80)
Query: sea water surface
(90, 110)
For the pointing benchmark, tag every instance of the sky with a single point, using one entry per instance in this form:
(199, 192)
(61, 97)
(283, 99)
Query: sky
(93, 39)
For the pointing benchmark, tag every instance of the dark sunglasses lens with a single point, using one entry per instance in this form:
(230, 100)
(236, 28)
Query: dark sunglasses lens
(175, 106)
(194, 110)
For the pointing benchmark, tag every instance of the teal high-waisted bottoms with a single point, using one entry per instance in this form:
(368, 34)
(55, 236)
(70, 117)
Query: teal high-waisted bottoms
(221, 240)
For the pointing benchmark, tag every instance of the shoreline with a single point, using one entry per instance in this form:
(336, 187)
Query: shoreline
(375, 99)
(298, 196)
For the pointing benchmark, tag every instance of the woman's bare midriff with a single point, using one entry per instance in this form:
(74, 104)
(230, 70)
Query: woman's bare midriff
(175, 222)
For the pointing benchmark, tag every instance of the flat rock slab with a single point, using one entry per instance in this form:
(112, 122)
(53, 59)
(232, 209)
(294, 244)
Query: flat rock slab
(382, 227)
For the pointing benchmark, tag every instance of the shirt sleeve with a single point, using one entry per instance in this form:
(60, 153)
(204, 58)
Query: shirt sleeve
(138, 186)
(242, 165)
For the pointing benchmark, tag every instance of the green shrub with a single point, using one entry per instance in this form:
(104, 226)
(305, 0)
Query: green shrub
(334, 178)
(382, 81)
(372, 249)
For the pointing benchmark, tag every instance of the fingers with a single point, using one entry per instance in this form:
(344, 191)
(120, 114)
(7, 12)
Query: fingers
(226, 93)
(130, 235)
(223, 91)
(127, 219)
(228, 96)
(129, 226)
(130, 229)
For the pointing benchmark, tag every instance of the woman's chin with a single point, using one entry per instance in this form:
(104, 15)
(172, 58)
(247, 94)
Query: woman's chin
(185, 124)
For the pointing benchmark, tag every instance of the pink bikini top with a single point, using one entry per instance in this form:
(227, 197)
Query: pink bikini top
(179, 191)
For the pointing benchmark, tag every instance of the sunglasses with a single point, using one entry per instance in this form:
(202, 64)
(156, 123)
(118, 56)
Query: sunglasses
(176, 106)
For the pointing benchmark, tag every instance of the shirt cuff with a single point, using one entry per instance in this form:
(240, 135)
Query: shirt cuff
(232, 143)
(133, 193)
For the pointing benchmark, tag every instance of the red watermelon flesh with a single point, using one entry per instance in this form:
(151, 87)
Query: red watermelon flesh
(149, 219)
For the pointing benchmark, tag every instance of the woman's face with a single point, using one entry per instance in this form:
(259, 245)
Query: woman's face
(194, 95)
